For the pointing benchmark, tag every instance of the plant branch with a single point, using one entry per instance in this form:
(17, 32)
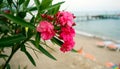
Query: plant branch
(14, 50)
(8, 60)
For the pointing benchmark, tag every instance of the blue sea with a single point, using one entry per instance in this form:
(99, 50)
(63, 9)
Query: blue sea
(104, 28)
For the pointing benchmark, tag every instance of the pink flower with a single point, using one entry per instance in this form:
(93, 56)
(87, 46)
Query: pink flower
(67, 33)
(65, 18)
(67, 46)
(46, 29)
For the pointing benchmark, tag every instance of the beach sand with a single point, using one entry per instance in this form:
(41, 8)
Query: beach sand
(69, 60)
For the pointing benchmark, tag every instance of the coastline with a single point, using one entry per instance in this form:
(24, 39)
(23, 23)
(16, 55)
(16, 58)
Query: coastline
(96, 36)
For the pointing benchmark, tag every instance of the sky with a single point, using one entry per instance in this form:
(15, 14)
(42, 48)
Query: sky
(90, 5)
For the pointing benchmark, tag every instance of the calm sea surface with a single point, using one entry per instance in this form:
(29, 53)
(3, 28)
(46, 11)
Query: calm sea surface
(107, 28)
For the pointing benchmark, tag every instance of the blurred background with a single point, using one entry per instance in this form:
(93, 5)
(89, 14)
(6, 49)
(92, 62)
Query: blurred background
(99, 18)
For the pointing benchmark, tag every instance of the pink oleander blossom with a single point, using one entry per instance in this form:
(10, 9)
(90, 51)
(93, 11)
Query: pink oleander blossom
(67, 46)
(46, 29)
(67, 33)
(65, 18)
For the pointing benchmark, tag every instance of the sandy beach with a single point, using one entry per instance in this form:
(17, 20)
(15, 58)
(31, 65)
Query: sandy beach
(69, 60)
(102, 55)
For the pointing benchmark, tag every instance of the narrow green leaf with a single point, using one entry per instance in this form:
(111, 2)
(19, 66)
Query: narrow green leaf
(30, 58)
(3, 55)
(8, 66)
(8, 41)
(33, 42)
(1, 1)
(43, 50)
(59, 43)
(37, 2)
(73, 50)
(25, 4)
(30, 33)
(21, 1)
(32, 19)
(32, 8)
(28, 55)
(21, 15)
(45, 4)
(53, 6)
(39, 8)
(18, 20)
(23, 49)
(54, 10)
(9, 2)
(19, 67)
(46, 52)
(3, 27)
(37, 39)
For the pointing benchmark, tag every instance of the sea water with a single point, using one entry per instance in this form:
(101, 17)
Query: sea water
(104, 28)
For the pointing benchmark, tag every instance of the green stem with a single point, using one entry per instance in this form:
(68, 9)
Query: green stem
(8, 60)
(14, 50)
(11, 55)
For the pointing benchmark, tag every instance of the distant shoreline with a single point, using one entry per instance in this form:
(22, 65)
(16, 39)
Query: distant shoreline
(95, 36)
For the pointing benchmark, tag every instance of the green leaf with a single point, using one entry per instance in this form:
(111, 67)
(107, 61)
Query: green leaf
(30, 33)
(32, 8)
(23, 49)
(3, 27)
(8, 66)
(3, 55)
(21, 1)
(8, 41)
(19, 67)
(46, 52)
(37, 2)
(54, 6)
(73, 50)
(43, 50)
(59, 43)
(45, 4)
(37, 39)
(25, 4)
(21, 15)
(30, 58)
(1, 1)
(9, 2)
(19, 21)
(54, 10)
(32, 20)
